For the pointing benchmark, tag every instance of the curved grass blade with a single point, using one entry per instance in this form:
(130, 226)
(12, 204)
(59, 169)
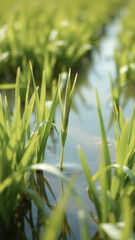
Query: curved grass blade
(38, 110)
(65, 114)
(125, 170)
(37, 199)
(42, 124)
(90, 183)
(43, 96)
(55, 220)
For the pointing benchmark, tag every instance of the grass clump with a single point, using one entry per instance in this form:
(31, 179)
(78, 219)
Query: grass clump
(45, 111)
(22, 154)
(125, 57)
(117, 188)
(15, 153)
(65, 114)
(19, 147)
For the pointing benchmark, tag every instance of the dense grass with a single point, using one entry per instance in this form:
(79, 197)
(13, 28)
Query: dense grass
(125, 57)
(54, 35)
(23, 152)
(22, 149)
(117, 192)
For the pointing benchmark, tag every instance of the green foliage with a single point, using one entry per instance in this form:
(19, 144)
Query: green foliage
(125, 55)
(21, 149)
(49, 33)
(121, 230)
(107, 160)
(15, 153)
(65, 114)
(118, 189)
(55, 35)
(91, 184)
(53, 222)
(44, 114)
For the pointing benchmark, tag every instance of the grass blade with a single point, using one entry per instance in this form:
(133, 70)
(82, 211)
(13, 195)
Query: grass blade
(104, 141)
(55, 220)
(90, 183)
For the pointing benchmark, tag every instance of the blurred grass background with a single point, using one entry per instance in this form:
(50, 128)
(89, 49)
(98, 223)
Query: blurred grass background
(54, 35)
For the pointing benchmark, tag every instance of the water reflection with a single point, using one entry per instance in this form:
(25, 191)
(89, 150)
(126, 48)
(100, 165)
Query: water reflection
(47, 192)
(28, 221)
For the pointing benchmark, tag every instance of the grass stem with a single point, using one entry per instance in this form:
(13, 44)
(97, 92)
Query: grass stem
(61, 158)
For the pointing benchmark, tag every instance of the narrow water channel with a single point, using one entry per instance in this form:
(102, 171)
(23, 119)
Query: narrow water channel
(84, 129)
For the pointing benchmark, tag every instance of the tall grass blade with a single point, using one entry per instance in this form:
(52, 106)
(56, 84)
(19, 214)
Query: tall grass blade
(127, 218)
(104, 141)
(7, 115)
(27, 93)
(43, 96)
(84, 228)
(122, 151)
(37, 199)
(90, 183)
(48, 126)
(38, 110)
(104, 189)
(65, 114)
(29, 153)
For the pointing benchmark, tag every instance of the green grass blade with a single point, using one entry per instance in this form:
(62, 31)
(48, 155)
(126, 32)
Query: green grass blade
(42, 124)
(73, 87)
(90, 183)
(122, 152)
(38, 109)
(2, 115)
(17, 88)
(84, 228)
(43, 96)
(7, 115)
(27, 93)
(36, 198)
(125, 170)
(65, 115)
(10, 86)
(120, 118)
(104, 188)
(127, 218)
(48, 126)
(132, 125)
(27, 113)
(104, 140)
(55, 220)
(28, 155)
